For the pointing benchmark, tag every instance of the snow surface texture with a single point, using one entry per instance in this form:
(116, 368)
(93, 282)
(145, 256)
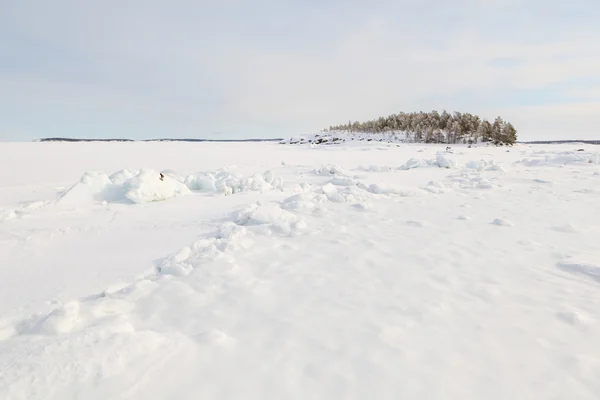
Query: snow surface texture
(344, 272)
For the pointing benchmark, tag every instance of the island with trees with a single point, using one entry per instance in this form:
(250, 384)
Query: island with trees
(420, 127)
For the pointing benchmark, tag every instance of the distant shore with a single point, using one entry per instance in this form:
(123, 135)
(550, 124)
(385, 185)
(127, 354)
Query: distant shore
(155, 140)
(59, 139)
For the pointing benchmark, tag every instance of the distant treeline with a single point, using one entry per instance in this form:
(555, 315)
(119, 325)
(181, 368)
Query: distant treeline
(156, 140)
(434, 127)
(82, 140)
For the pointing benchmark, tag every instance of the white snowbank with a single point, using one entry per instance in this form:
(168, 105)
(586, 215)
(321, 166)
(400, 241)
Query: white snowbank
(122, 187)
(229, 183)
(144, 186)
(147, 187)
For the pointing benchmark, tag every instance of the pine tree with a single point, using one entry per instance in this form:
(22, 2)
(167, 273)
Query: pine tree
(509, 134)
(485, 131)
(497, 130)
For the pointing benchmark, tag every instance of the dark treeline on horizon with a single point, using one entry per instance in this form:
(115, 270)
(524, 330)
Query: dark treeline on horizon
(434, 127)
(58, 139)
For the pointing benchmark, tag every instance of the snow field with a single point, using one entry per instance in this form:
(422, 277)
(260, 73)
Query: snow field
(346, 282)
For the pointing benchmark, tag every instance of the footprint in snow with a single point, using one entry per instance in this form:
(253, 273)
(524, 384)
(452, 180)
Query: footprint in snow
(213, 337)
(586, 191)
(361, 206)
(587, 270)
(530, 244)
(463, 217)
(502, 222)
(573, 317)
(415, 223)
(567, 228)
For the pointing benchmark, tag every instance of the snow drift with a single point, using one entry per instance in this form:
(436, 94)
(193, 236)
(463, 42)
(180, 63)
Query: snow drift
(147, 185)
(125, 186)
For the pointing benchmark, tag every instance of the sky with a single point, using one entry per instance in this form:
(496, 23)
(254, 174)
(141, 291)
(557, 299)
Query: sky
(262, 69)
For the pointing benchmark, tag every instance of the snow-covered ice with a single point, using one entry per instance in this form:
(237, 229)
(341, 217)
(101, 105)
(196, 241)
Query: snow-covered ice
(272, 271)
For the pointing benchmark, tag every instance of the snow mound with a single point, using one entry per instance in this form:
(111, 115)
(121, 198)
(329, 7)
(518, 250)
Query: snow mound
(269, 219)
(344, 182)
(147, 187)
(125, 186)
(412, 163)
(483, 183)
(7, 215)
(380, 188)
(350, 194)
(477, 165)
(468, 180)
(435, 187)
(187, 259)
(444, 161)
(302, 202)
(233, 236)
(331, 169)
(92, 187)
(328, 188)
(483, 165)
(123, 176)
(225, 182)
(492, 166)
(268, 214)
(441, 161)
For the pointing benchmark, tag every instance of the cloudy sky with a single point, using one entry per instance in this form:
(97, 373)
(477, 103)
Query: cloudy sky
(233, 68)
